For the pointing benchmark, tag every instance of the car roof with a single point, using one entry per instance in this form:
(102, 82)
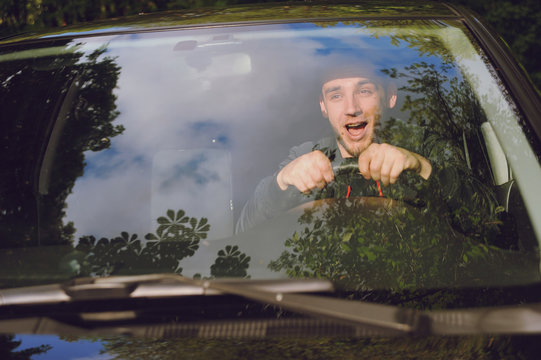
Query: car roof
(245, 14)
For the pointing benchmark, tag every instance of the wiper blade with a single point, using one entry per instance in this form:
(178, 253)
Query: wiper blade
(519, 319)
(367, 318)
(285, 293)
(146, 286)
(392, 320)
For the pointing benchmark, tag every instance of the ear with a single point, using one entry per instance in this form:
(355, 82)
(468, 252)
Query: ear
(323, 107)
(391, 95)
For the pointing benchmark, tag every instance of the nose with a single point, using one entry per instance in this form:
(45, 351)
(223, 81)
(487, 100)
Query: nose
(352, 106)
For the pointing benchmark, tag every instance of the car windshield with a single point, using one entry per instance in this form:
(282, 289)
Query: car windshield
(159, 152)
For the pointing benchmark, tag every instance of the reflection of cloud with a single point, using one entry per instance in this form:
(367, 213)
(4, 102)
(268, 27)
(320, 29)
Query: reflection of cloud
(106, 206)
(197, 181)
(207, 131)
(190, 170)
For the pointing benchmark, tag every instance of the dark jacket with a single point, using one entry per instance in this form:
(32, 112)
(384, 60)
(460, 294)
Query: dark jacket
(269, 200)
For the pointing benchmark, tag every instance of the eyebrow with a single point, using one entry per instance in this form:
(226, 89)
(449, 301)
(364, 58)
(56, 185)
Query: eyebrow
(338, 87)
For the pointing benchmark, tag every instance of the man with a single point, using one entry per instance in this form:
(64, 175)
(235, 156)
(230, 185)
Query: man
(353, 101)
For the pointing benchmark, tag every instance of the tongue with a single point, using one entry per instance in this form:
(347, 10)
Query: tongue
(355, 130)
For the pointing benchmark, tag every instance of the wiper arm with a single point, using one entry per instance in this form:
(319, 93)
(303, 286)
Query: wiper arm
(519, 319)
(284, 293)
(382, 319)
(390, 319)
(146, 286)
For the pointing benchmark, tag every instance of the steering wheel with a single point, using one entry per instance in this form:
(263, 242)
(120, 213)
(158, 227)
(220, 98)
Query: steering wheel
(347, 166)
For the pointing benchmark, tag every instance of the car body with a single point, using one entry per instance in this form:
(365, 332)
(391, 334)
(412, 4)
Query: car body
(131, 148)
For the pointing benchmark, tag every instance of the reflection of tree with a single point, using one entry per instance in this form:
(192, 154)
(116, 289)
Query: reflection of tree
(449, 241)
(397, 32)
(177, 237)
(322, 348)
(449, 114)
(371, 243)
(76, 109)
(88, 127)
(230, 263)
(8, 346)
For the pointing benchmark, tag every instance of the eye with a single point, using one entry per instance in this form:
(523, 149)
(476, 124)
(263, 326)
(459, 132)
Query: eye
(365, 92)
(335, 96)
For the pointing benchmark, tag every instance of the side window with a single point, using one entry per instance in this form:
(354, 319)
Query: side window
(29, 94)
(443, 120)
(516, 228)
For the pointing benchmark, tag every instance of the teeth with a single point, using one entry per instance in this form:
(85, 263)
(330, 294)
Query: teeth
(356, 126)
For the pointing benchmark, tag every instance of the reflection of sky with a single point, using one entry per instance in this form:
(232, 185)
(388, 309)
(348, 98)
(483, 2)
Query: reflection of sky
(197, 181)
(61, 349)
(197, 137)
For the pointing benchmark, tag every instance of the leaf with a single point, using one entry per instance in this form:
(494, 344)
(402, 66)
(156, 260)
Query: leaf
(204, 228)
(370, 256)
(347, 236)
(161, 229)
(151, 236)
(180, 214)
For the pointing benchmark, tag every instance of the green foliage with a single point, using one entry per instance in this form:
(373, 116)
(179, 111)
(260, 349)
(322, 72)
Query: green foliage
(519, 23)
(370, 243)
(409, 348)
(444, 125)
(448, 238)
(8, 349)
(85, 85)
(230, 263)
(178, 227)
(177, 237)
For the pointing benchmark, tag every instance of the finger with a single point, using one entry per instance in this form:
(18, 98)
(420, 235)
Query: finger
(301, 186)
(327, 173)
(320, 185)
(309, 182)
(364, 165)
(314, 178)
(396, 170)
(385, 171)
(323, 168)
(376, 164)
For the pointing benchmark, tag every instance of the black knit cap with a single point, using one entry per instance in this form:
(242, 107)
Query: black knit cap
(341, 68)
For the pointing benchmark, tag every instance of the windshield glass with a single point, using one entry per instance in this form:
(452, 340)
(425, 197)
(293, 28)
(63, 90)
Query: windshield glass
(147, 153)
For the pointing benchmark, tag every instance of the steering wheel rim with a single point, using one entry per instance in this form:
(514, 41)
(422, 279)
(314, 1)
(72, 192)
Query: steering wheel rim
(347, 166)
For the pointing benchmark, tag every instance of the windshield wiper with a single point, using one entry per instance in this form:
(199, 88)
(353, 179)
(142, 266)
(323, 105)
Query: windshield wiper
(393, 320)
(285, 293)
(389, 319)
(146, 286)
(296, 295)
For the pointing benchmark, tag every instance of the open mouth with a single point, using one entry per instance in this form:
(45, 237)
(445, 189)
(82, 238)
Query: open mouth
(356, 126)
(356, 129)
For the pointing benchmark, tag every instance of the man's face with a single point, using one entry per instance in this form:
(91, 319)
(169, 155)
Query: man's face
(353, 107)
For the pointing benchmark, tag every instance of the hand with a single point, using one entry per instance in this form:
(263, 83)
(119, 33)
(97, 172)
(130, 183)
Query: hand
(386, 162)
(307, 172)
